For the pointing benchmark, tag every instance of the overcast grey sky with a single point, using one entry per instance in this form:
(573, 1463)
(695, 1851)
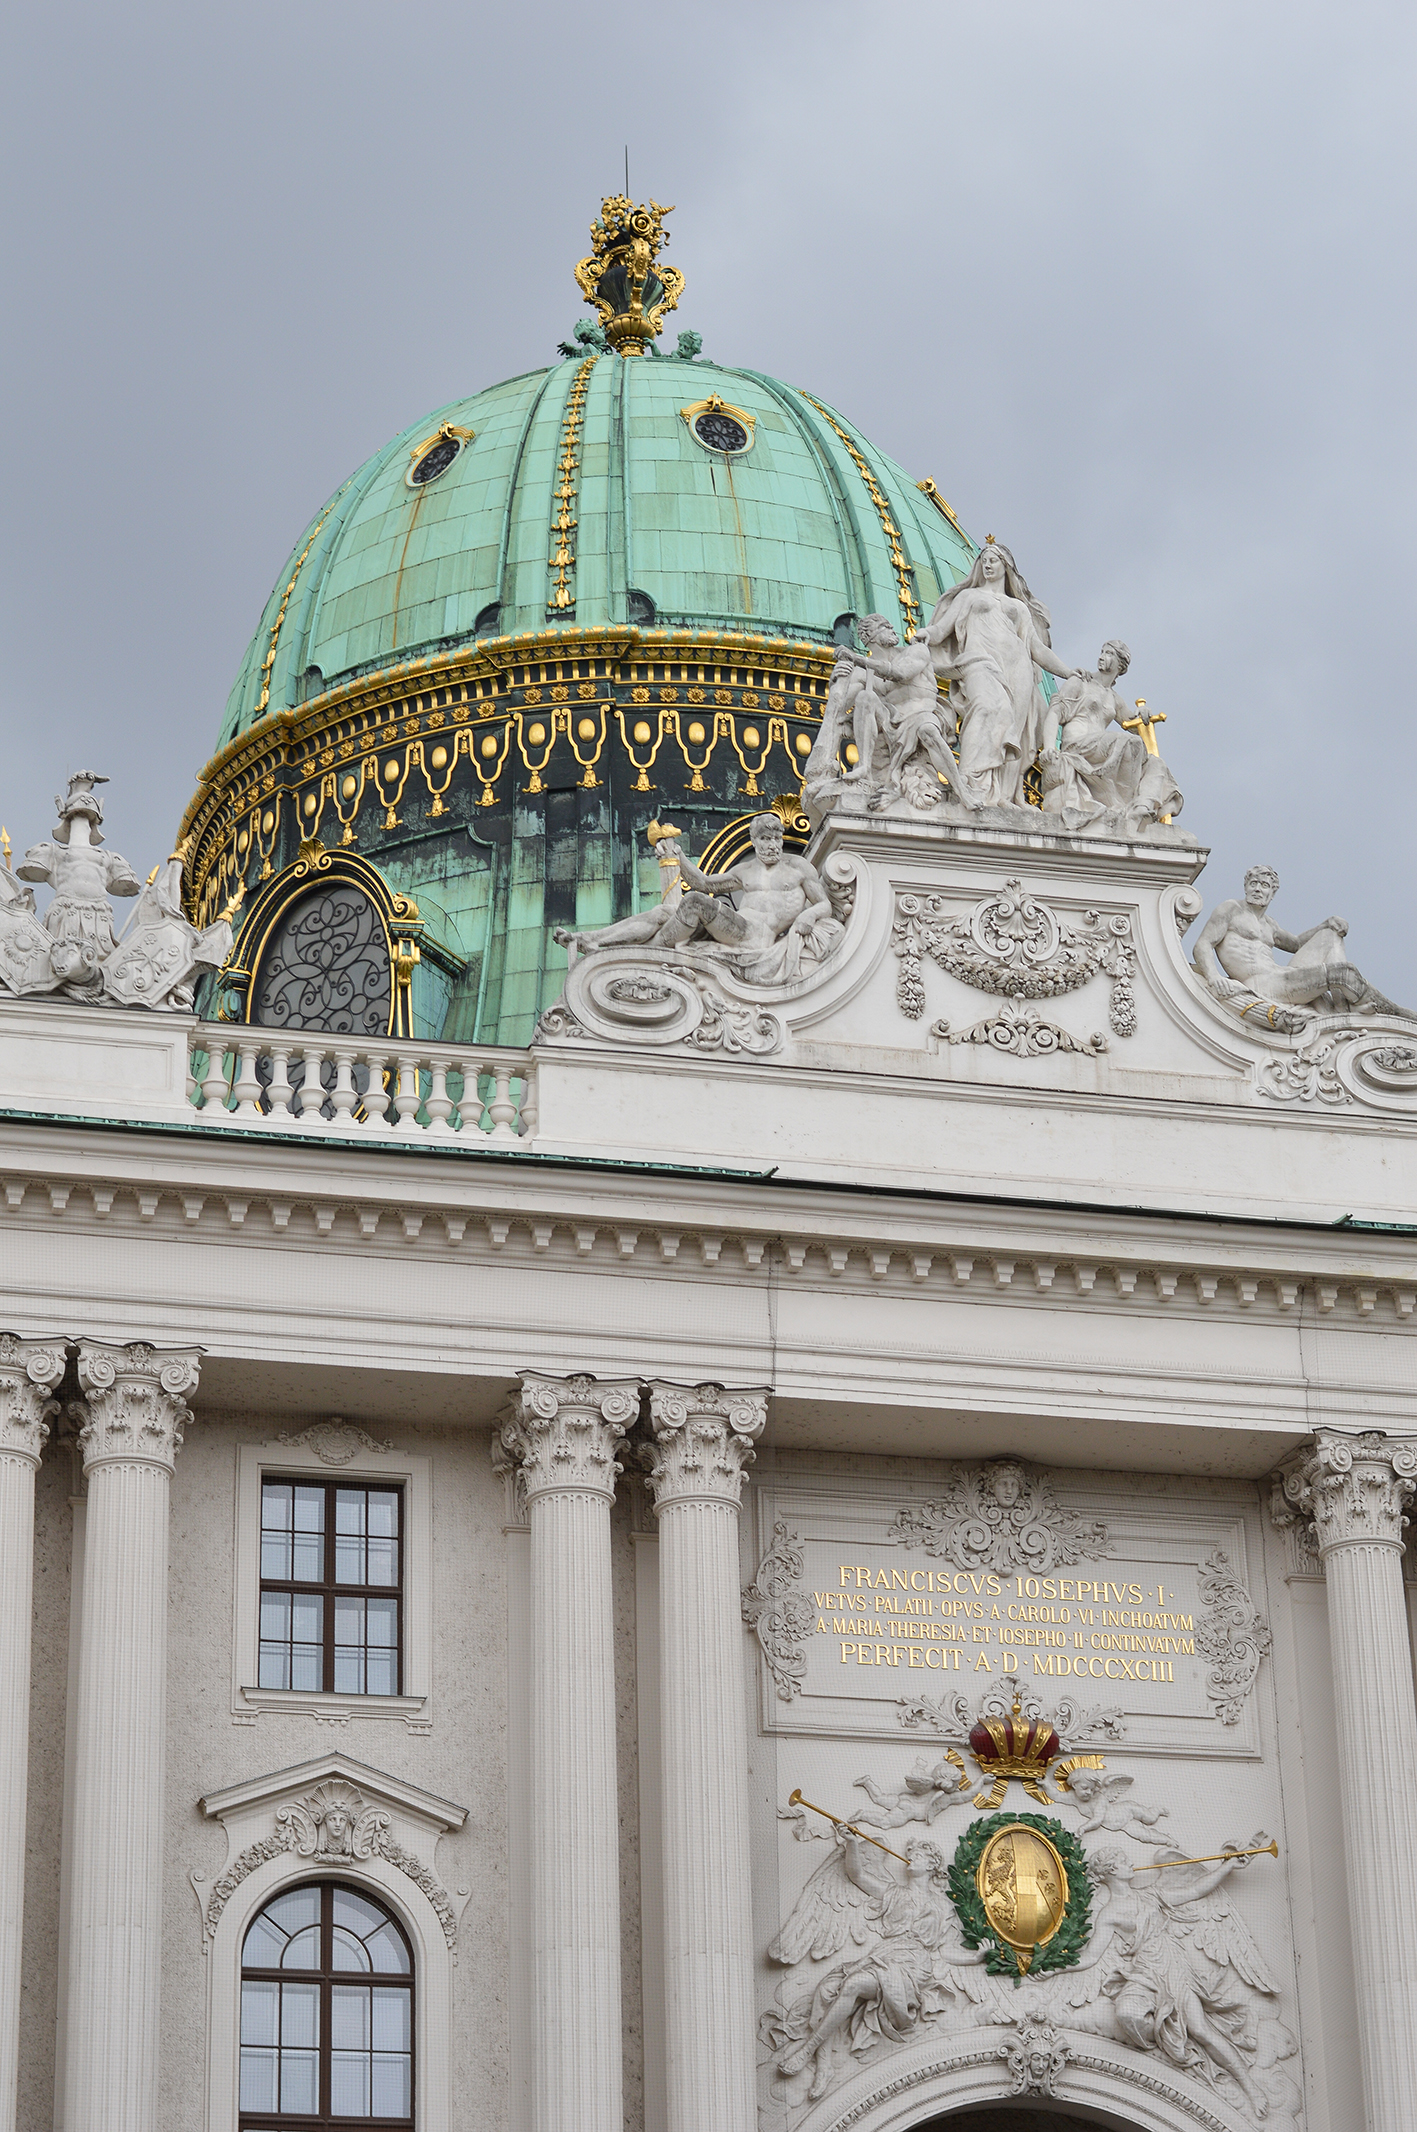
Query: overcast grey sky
(1133, 283)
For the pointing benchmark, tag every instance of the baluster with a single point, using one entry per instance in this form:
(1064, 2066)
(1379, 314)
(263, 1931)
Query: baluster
(502, 1109)
(280, 1091)
(528, 1102)
(248, 1088)
(439, 1104)
(406, 1094)
(214, 1090)
(376, 1096)
(343, 1096)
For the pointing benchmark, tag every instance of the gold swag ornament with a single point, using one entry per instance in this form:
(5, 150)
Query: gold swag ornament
(622, 276)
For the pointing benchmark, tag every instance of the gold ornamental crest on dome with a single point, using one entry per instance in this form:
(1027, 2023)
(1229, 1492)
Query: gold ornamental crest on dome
(623, 278)
(1023, 1886)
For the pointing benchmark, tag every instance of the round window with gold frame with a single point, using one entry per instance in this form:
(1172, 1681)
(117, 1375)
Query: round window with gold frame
(720, 428)
(436, 454)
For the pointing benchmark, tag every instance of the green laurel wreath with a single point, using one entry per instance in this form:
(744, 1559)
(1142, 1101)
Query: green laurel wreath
(1060, 1952)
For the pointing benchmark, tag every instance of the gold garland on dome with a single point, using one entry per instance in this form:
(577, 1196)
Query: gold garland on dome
(909, 605)
(562, 594)
(503, 707)
(270, 659)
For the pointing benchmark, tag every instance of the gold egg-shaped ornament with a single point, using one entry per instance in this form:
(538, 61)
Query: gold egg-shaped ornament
(1023, 1885)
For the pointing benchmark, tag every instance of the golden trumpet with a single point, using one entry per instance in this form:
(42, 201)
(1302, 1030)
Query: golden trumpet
(796, 1799)
(1263, 1850)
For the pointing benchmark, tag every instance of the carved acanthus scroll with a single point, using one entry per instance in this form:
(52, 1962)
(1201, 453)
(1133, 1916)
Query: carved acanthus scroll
(1015, 946)
(1001, 1516)
(776, 1612)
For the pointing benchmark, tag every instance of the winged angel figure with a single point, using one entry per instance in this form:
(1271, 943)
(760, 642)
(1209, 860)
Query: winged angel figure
(1182, 1972)
(906, 1960)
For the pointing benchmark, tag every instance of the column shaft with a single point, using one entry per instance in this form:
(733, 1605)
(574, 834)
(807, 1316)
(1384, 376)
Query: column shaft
(1377, 1760)
(564, 1437)
(703, 1443)
(115, 1951)
(575, 1838)
(1356, 1490)
(29, 1370)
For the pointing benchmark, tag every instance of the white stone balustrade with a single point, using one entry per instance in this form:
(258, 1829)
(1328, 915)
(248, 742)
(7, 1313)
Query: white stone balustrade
(243, 1076)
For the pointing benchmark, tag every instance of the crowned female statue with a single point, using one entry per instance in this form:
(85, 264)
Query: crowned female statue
(989, 637)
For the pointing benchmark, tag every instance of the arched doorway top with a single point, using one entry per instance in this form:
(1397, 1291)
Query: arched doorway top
(940, 2086)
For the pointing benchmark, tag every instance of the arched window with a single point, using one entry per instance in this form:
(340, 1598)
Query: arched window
(326, 966)
(326, 2015)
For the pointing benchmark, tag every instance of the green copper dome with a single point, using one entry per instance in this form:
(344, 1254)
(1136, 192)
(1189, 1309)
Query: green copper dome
(597, 594)
(808, 524)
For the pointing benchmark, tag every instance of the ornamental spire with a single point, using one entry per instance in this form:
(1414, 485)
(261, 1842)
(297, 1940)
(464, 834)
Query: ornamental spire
(622, 277)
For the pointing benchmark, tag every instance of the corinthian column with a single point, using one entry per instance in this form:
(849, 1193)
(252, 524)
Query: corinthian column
(701, 1449)
(564, 1436)
(1356, 1490)
(136, 1408)
(29, 1372)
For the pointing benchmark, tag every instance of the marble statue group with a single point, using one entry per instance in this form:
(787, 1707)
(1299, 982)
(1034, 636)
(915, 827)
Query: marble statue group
(958, 717)
(73, 949)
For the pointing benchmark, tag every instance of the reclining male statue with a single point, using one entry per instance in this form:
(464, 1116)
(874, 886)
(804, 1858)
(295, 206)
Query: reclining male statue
(1234, 959)
(762, 912)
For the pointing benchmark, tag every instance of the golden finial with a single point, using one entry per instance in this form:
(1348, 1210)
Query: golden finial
(5, 845)
(988, 540)
(151, 878)
(1146, 723)
(622, 276)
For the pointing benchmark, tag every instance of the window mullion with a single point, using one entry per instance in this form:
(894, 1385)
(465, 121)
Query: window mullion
(328, 1585)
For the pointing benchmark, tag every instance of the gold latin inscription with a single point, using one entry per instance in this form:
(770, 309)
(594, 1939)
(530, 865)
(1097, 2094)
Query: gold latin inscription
(1083, 1627)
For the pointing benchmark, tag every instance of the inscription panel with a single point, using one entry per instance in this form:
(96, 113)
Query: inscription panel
(891, 1601)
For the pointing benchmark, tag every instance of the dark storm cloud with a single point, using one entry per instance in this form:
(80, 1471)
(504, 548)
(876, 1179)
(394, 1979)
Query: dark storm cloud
(1132, 283)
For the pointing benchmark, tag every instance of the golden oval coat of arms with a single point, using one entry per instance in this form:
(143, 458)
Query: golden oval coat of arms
(1023, 1885)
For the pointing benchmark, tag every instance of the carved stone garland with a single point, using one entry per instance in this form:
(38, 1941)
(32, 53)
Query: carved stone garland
(779, 1617)
(334, 1442)
(1015, 946)
(332, 1823)
(1231, 1635)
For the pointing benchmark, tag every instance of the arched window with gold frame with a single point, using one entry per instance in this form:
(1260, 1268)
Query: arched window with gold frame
(328, 946)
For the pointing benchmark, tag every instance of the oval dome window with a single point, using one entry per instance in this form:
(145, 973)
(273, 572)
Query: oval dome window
(720, 432)
(435, 461)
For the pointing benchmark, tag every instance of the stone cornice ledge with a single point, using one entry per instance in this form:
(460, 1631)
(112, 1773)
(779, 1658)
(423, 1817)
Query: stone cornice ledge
(679, 1226)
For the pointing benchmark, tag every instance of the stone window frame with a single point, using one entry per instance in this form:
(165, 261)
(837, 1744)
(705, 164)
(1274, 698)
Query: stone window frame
(432, 1965)
(256, 1462)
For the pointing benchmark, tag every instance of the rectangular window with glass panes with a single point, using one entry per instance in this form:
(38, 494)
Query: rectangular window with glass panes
(331, 1587)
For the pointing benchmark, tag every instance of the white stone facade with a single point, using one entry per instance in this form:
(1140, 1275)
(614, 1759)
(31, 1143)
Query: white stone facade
(1069, 1276)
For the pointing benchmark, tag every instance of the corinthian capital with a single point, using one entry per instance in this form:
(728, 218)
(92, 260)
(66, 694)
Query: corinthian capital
(135, 1401)
(30, 1371)
(702, 1439)
(1354, 1490)
(565, 1431)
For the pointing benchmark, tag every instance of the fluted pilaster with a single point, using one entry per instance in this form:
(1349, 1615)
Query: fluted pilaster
(136, 1410)
(30, 1371)
(701, 1446)
(1356, 1491)
(564, 1435)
